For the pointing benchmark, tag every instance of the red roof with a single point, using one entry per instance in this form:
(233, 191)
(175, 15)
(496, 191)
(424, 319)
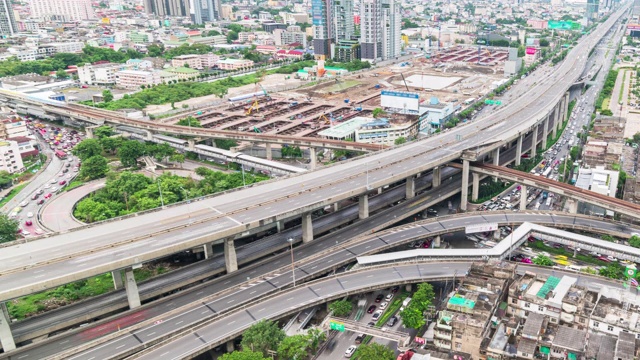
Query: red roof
(33, 152)
(20, 139)
(290, 52)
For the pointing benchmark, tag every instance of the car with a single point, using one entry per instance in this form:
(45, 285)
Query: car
(30, 214)
(359, 338)
(604, 258)
(75, 169)
(395, 289)
(68, 176)
(64, 171)
(63, 182)
(35, 196)
(379, 298)
(24, 203)
(392, 321)
(68, 165)
(371, 309)
(53, 181)
(376, 315)
(40, 192)
(350, 351)
(48, 196)
(389, 297)
(40, 202)
(28, 223)
(383, 305)
(25, 233)
(371, 323)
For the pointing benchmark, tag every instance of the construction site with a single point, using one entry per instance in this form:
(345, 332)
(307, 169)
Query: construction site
(330, 101)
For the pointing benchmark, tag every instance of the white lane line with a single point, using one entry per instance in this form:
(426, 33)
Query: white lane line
(163, 354)
(179, 322)
(231, 323)
(230, 301)
(153, 333)
(121, 346)
(253, 292)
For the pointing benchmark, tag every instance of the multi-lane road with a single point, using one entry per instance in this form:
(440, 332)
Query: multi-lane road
(98, 249)
(312, 259)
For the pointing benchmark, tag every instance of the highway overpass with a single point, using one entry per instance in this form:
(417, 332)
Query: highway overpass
(143, 237)
(312, 260)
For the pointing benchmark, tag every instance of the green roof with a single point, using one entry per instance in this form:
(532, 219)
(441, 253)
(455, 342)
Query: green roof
(334, 68)
(545, 350)
(459, 301)
(549, 285)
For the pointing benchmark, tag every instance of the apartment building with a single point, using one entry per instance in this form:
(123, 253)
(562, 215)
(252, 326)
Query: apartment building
(63, 10)
(25, 146)
(12, 128)
(192, 61)
(74, 47)
(102, 74)
(8, 25)
(135, 79)
(10, 159)
(234, 64)
(183, 73)
(289, 36)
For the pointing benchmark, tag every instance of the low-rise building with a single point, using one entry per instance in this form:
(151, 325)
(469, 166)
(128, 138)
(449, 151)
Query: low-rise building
(74, 47)
(26, 146)
(13, 127)
(191, 61)
(289, 54)
(102, 74)
(135, 79)
(10, 159)
(234, 64)
(183, 73)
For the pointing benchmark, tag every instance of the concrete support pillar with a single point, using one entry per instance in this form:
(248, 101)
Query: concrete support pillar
(363, 206)
(545, 133)
(519, 150)
(148, 135)
(269, 155)
(133, 296)
(436, 241)
(6, 338)
(89, 131)
(436, 179)
(191, 144)
(307, 228)
(573, 207)
(379, 190)
(556, 122)
(230, 346)
(465, 185)
(280, 225)
(496, 234)
(410, 188)
(336, 206)
(117, 279)
(208, 250)
(566, 107)
(534, 141)
(313, 158)
(475, 186)
(230, 258)
(523, 198)
(496, 157)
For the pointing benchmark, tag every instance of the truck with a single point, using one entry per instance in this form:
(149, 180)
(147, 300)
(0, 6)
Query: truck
(405, 303)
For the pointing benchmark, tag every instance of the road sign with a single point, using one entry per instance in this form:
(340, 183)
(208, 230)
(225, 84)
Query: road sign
(336, 326)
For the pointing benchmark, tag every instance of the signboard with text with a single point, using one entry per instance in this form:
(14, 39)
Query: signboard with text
(478, 228)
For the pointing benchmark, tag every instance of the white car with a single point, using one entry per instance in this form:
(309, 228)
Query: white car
(383, 305)
(53, 181)
(24, 203)
(389, 297)
(47, 186)
(54, 189)
(376, 315)
(29, 214)
(350, 351)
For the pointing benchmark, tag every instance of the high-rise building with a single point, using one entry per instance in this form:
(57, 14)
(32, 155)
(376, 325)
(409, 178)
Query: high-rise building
(592, 9)
(8, 24)
(166, 7)
(343, 19)
(63, 10)
(322, 16)
(391, 35)
(205, 10)
(380, 22)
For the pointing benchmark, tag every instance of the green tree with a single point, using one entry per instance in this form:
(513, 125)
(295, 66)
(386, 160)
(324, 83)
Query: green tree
(225, 144)
(262, 336)
(129, 152)
(315, 337)
(110, 144)
(178, 158)
(213, 33)
(294, 347)
(612, 271)
(94, 167)
(154, 50)
(543, 260)
(189, 121)
(107, 96)
(341, 308)
(634, 241)
(103, 131)
(377, 112)
(87, 148)
(401, 140)
(412, 317)
(243, 355)
(375, 351)
(8, 228)
(574, 152)
(61, 74)
(607, 237)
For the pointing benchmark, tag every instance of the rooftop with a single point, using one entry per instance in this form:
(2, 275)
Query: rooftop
(600, 346)
(345, 129)
(570, 338)
(533, 326)
(183, 70)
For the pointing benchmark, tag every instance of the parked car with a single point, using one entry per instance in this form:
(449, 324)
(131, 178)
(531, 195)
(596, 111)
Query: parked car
(392, 321)
(379, 298)
(350, 351)
(371, 309)
(376, 315)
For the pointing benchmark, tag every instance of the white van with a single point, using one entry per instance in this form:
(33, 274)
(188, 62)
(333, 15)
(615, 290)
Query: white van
(573, 268)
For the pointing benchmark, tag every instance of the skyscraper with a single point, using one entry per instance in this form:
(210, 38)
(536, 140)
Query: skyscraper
(380, 22)
(166, 7)
(205, 10)
(7, 19)
(322, 15)
(343, 19)
(62, 9)
(592, 9)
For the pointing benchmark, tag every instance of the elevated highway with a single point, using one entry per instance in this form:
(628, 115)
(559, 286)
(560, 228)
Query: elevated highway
(312, 260)
(145, 237)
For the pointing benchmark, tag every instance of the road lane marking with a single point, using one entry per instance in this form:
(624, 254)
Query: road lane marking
(253, 292)
(231, 322)
(153, 333)
(179, 322)
(121, 346)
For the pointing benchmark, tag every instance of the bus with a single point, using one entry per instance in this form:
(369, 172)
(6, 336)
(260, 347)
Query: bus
(61, 154)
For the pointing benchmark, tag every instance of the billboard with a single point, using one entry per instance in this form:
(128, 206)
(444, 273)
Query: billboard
(400, 100)
(563, 25)
(531, 51)
(633, 27)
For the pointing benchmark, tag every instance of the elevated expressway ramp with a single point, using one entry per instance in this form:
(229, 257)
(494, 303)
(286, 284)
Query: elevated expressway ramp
(312, 260)
(137, 239)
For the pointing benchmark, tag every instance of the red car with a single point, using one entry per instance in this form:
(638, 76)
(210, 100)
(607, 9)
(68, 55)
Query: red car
(40, 202)
(62, 182)
(28, 223)
(604, 258)
(371, 309)
(47, 196)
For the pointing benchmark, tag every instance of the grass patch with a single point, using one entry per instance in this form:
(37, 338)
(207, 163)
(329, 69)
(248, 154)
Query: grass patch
(74, 184)
(539, 245)
(12, 194)
(34, 304)
(624, 77)
(605, 103)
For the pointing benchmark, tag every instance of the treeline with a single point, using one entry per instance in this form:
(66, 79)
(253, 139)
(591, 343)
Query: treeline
(607, 88)
(89, 54)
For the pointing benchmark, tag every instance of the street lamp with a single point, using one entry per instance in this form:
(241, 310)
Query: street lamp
(293, 269)
(188, 202)
(244, 183)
